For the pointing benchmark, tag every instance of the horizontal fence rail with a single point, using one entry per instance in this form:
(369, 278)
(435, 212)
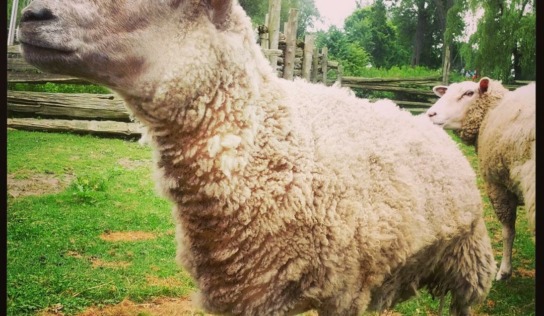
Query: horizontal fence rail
(107, 114)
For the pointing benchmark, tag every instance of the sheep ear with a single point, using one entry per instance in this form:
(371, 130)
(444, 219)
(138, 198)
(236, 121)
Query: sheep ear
(440, 90)
(484, 85)
(219, 11)
(175, 3)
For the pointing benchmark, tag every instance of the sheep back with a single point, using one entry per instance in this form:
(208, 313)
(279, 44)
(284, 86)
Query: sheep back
(507, 145)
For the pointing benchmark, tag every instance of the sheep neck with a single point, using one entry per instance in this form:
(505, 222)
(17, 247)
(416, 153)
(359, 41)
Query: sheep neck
(476, 115)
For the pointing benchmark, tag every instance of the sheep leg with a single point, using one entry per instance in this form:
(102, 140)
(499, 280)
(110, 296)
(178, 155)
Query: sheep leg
(469, 269)
(505, 206)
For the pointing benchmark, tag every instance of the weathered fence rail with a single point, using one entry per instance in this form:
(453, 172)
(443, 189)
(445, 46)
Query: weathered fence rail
(109, 128)
(72, 105)
(103, 114)
(106, 113)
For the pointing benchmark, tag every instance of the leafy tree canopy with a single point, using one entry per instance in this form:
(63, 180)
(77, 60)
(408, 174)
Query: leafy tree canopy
(504, 45)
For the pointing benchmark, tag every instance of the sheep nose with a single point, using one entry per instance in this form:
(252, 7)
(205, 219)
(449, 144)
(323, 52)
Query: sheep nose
(431, 114)
(37, 13)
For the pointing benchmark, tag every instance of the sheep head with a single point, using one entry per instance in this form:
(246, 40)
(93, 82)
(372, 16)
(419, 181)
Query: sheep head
(462, 106)
(130, 46)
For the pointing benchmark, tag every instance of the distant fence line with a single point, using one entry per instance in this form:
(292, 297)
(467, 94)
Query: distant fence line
(106, 113)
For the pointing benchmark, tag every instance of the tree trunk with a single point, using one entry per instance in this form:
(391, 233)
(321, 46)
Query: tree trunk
(442, 8)
(447, 65)
(517, 64)
(418, 38)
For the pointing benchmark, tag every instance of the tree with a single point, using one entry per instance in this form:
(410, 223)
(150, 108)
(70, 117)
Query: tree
(307, 14)
(505, 40)
(418, 33)
(451, 24)
(372, 30)
(350, 55)
(256, 10)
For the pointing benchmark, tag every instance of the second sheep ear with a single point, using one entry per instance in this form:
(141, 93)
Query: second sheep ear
(484, 85)
(219, 11)
(440, 90)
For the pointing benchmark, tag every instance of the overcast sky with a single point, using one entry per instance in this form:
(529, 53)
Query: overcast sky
(334, 12)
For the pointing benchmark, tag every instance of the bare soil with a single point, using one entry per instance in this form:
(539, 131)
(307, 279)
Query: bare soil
(37, 184)
(157, 307)
(127, 236)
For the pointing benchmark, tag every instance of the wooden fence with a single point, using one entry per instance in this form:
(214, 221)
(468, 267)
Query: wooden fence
(105, 114)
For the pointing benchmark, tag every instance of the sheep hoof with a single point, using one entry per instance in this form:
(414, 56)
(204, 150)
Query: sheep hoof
(501, 276)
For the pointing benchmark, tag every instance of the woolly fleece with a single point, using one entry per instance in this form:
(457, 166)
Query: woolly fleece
(501, 124)
(287, 195)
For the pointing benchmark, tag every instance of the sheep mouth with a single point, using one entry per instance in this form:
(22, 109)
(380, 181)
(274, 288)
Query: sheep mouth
(43, 48)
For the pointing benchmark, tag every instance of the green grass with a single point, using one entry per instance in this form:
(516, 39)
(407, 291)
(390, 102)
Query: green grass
(53, 240)
(57, 258)
(59, 88)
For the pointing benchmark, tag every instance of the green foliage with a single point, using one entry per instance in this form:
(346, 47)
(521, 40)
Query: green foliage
(351, 56)
(307, 13)
(455, 23)
(400, 72)
(58, 88)
(256, 10)
(419, 32)
(370, 29)
(504, 41)
(91, 189)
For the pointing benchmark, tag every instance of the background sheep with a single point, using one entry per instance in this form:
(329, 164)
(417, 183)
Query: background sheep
(501, 125)
(288, 196)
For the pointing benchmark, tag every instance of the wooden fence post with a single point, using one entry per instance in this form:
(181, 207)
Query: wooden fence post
(274, 10)
(446, 66)
(309, 41)
(13, 21)
(291, 44)
(315, 65)
(263, 34)
(339, 73)
(324, 63)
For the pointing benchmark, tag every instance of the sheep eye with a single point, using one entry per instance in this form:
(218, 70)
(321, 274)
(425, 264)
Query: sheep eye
(469, 93)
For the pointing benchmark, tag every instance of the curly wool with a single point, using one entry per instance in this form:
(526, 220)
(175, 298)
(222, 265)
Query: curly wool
(507, 147)
(297, 196)
(477, 111)
(501, 124)
(288, 196)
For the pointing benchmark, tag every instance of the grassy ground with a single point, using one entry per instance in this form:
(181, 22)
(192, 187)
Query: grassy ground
(86, 229)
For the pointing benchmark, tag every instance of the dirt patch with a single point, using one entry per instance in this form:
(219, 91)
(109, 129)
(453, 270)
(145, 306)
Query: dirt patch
(158, 307)
(97, 263)
(37, 184)
(170, 282)
(524, 273)
(127, 236)
(133, 164)
(74, 254)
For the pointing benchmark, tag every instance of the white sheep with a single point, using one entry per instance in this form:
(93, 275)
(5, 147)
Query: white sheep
(288, 196)
(501, 124)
